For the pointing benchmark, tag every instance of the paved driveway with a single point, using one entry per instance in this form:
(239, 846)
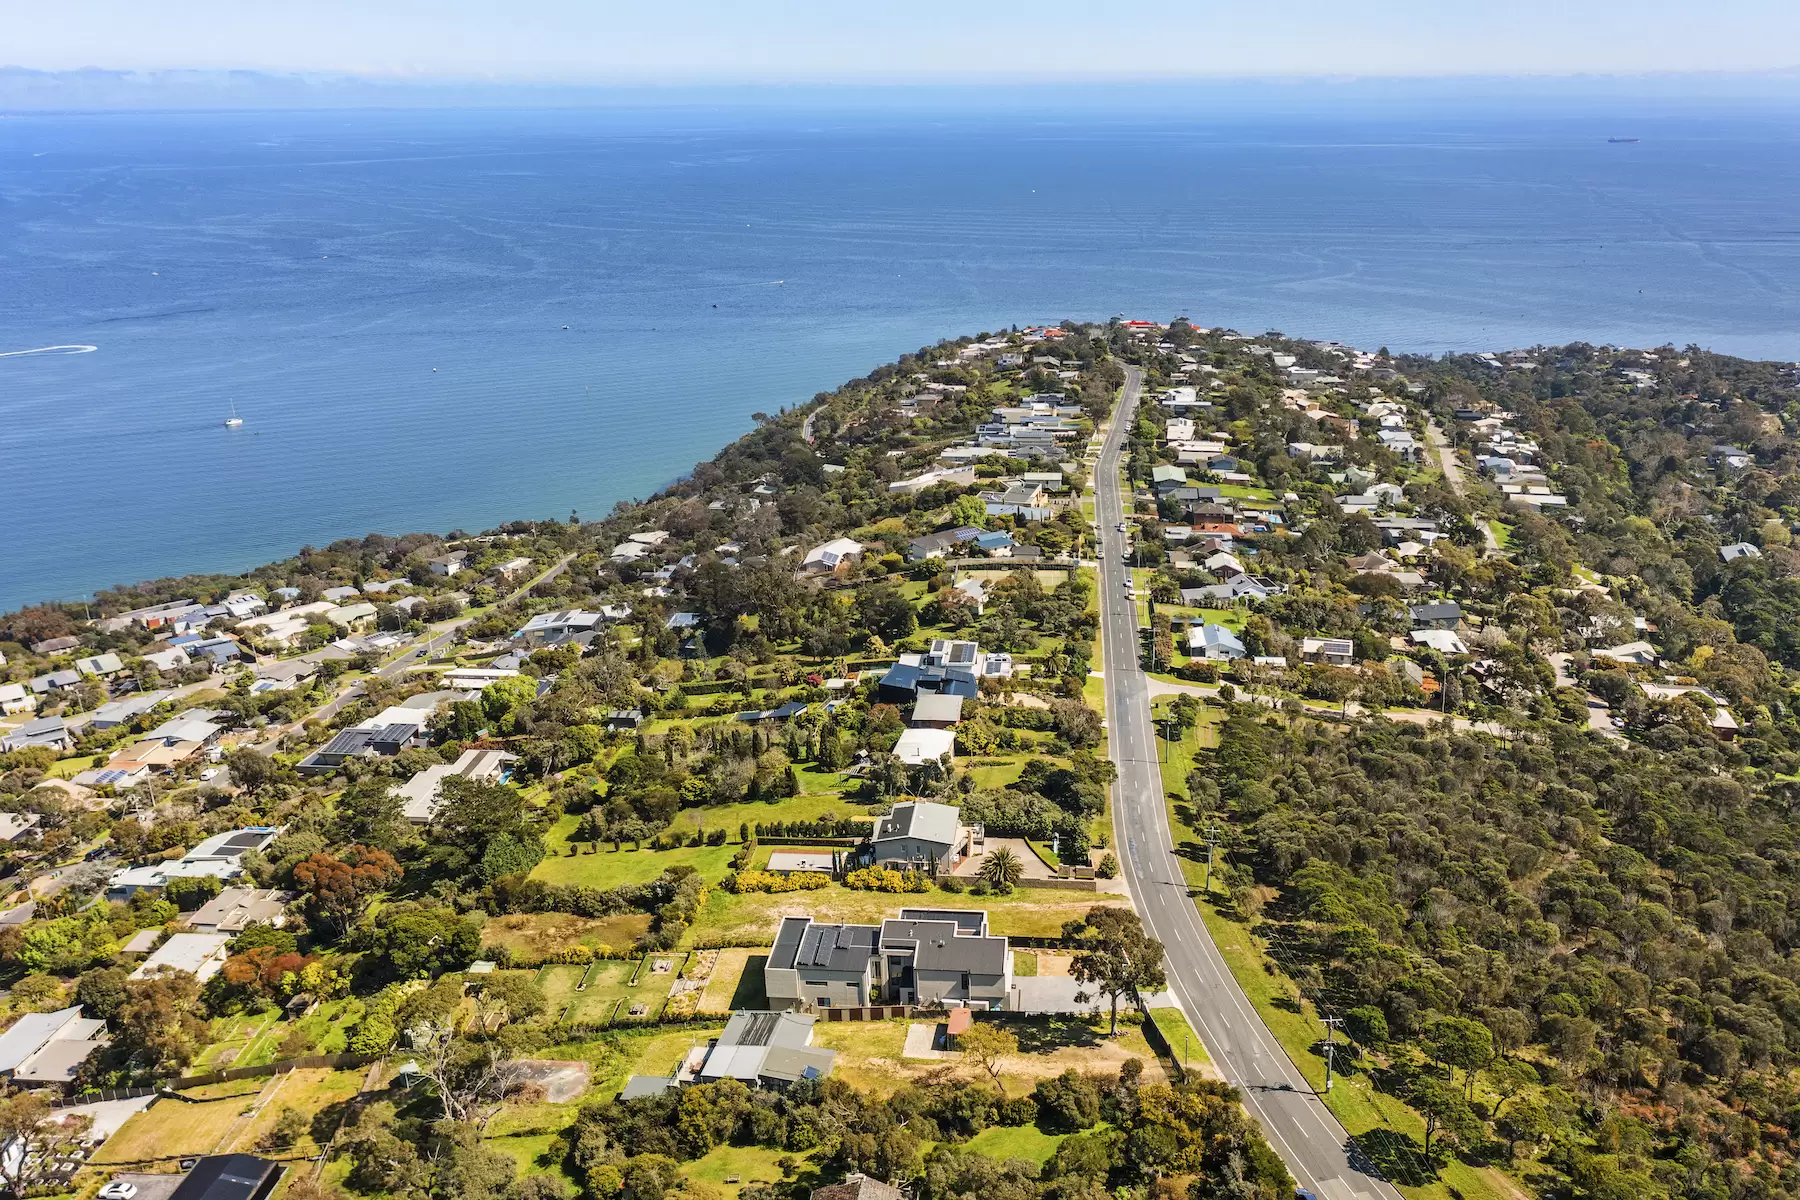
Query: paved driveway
(1035, 867)
(1056, 994)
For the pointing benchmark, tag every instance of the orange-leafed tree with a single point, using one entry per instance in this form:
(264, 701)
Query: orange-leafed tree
(338, 889)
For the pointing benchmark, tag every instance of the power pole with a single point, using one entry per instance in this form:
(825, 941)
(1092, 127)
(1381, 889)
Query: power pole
(1331, 1024)
(1212, 839)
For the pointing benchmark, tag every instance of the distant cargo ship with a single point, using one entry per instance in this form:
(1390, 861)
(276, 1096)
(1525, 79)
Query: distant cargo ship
(1621, 141)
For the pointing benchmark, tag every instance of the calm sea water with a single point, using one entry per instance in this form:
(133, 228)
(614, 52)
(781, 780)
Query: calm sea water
(383, 296)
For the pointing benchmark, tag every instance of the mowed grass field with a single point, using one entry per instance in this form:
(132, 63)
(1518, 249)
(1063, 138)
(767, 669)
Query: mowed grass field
(736, 982)
(1022, 1141)
(588, 994)
(611, 868)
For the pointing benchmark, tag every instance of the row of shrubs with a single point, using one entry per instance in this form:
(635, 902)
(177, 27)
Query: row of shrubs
(843, 827)
(883, 879)
(770, 881)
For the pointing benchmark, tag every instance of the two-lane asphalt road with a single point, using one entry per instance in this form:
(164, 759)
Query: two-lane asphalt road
(1299, 1126)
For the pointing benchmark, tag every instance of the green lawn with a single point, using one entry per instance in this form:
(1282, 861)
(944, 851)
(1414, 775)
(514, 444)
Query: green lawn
(1241, 491)
(220, 1122)
(1021, 1141)
(1093, 692)
(1180, 1035)
(610, 868)
(68, 768)
(731, 1168)
(252, 1039)
(998, 770)
(528, 1134)
(815, 800)
(1231, 618)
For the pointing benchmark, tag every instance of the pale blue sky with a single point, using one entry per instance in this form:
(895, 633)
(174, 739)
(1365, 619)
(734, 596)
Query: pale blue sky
(599, 41)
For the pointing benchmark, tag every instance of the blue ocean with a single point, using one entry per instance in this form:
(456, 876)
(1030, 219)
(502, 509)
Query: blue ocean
(452, 319)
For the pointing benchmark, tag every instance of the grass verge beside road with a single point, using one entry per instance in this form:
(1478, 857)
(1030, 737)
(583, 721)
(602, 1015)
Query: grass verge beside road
(1373, 1118)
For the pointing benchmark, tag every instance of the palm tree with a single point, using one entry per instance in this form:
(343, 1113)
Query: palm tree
(1003, 867)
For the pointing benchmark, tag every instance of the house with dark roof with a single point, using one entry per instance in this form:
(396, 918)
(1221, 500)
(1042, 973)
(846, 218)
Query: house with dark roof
(1444, 614)
(924, 957)
(222, 651)
(949, 666)
(53, 681)
(230, 1177)
(384, 735)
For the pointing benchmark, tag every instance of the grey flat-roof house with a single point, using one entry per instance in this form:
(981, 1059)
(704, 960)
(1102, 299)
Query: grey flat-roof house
(923, 957)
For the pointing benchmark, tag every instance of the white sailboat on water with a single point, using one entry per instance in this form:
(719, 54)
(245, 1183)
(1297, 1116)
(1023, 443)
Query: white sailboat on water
(233, 421)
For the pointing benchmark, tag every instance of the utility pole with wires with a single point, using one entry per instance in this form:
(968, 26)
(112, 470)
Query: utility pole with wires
(1212, 839)
(1331, 1024)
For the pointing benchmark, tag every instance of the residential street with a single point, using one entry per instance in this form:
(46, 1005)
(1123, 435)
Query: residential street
(443, 635)
(1300, 1128)
(1453, 475)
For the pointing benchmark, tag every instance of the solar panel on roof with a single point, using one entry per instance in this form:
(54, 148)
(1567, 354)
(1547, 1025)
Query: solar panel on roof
(758, 1029)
